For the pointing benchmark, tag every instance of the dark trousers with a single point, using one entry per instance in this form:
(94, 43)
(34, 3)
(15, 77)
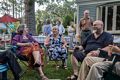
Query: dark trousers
(9, 57)
(3, 75)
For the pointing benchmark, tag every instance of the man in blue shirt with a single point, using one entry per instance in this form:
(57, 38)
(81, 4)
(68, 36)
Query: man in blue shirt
(60, 27)
(98, 39)
(47, 28)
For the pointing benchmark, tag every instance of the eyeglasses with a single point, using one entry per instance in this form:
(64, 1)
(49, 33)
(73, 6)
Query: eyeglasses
(86, 13)
(94, 24)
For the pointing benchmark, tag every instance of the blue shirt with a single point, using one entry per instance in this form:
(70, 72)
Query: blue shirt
(61, 28)
(92, 43)
(3, 67)
(47, 29)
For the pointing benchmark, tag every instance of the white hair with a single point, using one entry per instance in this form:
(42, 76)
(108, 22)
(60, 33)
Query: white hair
(55, 27)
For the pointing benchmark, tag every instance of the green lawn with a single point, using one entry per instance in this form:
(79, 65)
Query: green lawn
(50, 71)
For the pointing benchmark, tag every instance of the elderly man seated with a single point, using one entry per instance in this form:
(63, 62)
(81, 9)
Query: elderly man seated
(98, 39)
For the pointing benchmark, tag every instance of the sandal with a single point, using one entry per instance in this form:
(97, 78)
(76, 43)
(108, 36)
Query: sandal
(72, 77)
(44, 78)
(57, 67)
(65, 67)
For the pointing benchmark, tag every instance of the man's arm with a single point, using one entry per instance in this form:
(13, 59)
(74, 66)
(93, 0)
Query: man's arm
(80, 25)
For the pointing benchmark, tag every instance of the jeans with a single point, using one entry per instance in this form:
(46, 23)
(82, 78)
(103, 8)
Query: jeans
(9, 57)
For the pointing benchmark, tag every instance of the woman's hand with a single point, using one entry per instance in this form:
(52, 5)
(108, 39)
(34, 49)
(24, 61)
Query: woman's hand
(27, 44)
(64, 46)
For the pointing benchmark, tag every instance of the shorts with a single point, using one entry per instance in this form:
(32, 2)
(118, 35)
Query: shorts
(79, 55)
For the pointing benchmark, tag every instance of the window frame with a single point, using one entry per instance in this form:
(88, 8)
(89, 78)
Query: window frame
(99, 16)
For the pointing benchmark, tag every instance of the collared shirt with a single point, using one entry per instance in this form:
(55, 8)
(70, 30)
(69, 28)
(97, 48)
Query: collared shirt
(47, 29)
(92, 43)
(85, 24)
(61, 29)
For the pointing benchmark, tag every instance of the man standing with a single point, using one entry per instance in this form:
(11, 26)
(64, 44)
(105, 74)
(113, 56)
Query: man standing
(85, 25)
(60, 27)
(47, 28)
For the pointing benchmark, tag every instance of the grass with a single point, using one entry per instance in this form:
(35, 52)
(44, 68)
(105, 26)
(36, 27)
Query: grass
(50, 71)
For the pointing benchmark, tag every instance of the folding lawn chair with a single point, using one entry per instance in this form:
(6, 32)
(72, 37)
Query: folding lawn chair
(22, 59)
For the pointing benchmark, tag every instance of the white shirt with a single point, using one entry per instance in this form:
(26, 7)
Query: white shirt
(70, 31)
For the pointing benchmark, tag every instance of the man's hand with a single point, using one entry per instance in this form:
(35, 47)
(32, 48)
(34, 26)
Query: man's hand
(78, 47)
(93, 53)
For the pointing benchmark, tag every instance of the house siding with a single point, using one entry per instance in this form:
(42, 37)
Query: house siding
(92, 5)
(91, 8)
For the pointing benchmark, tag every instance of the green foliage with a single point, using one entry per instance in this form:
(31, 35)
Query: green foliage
(39, 27)
(42, 2)
(55, 10)
(67, 19)
(14, 6)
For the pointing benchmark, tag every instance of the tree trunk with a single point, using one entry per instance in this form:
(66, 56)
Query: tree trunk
(30, 15)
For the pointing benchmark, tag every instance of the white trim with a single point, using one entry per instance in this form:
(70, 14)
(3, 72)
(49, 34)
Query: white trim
(114, 17)
(106, 12)
(97, 13)
(77, 28)
(101, 8)
(115, 32)
(96, 2)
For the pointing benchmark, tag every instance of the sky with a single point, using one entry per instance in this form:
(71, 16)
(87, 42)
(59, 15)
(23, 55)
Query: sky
(42, 7)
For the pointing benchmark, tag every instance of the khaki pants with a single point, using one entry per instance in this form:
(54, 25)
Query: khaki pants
(97, 70)
(85, 66)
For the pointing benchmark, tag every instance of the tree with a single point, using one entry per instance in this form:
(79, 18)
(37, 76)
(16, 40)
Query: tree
(65, 11)
(30, 13)
(12, 7)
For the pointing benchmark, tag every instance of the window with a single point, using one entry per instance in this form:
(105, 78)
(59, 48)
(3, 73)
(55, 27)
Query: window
(118, 18)
(103, 14)
(110, 17)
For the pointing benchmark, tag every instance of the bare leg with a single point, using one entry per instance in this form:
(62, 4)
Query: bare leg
(36, 56)
(64, 63)
(74, 65)
(41, 73)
